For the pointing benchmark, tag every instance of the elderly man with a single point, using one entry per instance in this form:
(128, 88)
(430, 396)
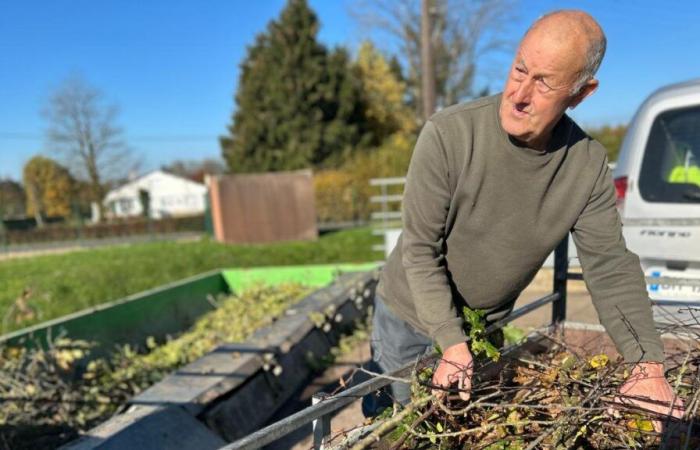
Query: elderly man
(492, 187)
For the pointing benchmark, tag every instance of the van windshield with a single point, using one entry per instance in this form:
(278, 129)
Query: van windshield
(671, 164)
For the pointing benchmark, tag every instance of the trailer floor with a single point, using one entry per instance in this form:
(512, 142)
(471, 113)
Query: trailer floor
(579, 309)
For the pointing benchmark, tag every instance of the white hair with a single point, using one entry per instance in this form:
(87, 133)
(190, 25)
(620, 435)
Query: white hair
(594, 56)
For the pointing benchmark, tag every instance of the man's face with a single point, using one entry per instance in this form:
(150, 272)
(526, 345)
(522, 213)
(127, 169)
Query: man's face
(538, 88)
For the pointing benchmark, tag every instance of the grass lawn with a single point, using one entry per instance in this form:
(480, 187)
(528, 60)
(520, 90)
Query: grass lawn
(61, 284)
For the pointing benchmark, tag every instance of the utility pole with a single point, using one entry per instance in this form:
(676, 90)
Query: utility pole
(427, 66)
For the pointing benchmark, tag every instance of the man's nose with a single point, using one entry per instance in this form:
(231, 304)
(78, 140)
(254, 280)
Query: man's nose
(523, 93)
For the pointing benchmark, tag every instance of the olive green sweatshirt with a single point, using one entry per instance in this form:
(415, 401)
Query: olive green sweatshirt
(481, 214)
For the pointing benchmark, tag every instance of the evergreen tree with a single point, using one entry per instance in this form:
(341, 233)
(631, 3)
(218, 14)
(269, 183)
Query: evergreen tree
(297, 103)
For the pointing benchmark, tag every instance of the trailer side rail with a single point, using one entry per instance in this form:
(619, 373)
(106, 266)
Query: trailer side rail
(322, 409)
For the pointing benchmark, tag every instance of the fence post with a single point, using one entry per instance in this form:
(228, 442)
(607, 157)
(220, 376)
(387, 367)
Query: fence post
(322, 425)
(561, 270)
(3, 236)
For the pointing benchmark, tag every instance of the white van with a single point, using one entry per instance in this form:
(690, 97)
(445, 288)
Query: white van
(657, 178)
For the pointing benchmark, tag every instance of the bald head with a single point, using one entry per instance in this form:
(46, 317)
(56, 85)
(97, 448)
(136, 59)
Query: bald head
(576, 32)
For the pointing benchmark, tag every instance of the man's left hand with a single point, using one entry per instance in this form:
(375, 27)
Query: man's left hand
(647, 381)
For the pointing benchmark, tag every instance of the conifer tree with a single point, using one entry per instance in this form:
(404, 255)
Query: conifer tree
(297, 103)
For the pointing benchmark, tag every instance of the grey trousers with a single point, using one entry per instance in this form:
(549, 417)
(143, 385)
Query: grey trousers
(394, 344)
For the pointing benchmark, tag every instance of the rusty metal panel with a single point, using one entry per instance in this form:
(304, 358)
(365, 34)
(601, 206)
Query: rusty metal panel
(253, 208)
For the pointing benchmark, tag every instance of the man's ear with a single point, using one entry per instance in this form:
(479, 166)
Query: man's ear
(586, 90)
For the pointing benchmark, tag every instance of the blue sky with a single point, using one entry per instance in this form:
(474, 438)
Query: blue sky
(172, 66)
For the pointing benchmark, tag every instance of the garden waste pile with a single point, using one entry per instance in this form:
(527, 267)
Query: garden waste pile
(557, 397)
(47, 397)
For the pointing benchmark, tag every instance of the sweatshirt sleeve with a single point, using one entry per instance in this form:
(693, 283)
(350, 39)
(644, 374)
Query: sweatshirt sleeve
(614, 277)
(425, 205)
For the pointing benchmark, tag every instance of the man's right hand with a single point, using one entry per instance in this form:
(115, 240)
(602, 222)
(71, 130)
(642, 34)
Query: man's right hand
(455, 367)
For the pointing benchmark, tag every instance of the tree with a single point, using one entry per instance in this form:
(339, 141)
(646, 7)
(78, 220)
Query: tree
(12, 199)
(195, 170)
(49, 188)
(298, 104)
(383, 94)
(611, 137)
(463, 34)
(427, 68)
(82, 130)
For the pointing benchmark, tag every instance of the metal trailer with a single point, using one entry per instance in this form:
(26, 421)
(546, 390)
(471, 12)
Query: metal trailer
(323, 407)
(167, 309)
(207, 402)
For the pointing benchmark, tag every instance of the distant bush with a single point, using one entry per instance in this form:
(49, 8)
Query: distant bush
(611, 137)
(116, 228)
(344, 194)
(337, 196)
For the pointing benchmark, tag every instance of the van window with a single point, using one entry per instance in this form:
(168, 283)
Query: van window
(671, 164)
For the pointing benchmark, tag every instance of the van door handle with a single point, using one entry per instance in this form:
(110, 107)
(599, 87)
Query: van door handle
(677, 265)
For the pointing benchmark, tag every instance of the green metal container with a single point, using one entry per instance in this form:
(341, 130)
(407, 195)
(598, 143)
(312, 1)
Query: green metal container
(168, 309)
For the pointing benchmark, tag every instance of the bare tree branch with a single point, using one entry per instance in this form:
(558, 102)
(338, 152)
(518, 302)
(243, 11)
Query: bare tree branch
(464, 34)
(82, 131)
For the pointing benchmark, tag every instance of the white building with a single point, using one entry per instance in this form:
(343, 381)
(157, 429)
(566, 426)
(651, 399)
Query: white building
(169, 195)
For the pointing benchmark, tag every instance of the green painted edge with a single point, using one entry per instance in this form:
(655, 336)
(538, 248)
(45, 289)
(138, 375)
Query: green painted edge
(180, 302)
(184, 300)
(311, 275)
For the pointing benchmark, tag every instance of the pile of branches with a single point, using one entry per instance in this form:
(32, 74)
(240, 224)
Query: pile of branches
(50, 396)
(558, 399)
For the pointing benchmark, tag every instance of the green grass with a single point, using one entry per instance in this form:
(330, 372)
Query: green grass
(61, 284)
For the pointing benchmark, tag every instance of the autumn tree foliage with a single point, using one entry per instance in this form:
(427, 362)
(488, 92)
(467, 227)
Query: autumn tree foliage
(12, 199)
(611, 137)
(383, 93)
(49, 188)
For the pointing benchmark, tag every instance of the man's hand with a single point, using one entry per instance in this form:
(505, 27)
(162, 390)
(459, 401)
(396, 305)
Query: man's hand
(456, 366)
(647, 381)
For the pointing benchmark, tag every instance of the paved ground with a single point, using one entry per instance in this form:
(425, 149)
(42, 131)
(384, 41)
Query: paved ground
(579, 309)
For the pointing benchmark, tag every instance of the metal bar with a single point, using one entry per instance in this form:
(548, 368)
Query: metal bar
(322, 425)
(561, 271)
(386, 198)
(387, 181)
(384, 215)
(385, 208)
(524, 310)
(285, 426)
(668, 281)
(329, 405)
